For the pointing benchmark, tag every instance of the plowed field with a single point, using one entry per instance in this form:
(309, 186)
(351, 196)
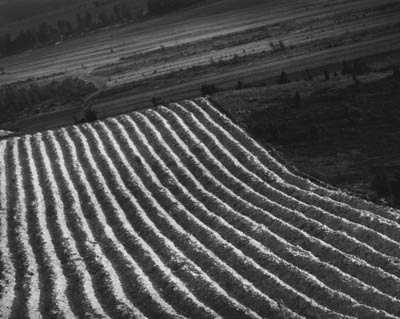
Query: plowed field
(176, 212)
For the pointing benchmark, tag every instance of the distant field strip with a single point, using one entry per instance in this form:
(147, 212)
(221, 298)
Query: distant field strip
(83, 55)
(175, 212)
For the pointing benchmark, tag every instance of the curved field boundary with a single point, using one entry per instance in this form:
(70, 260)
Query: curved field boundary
(175, 212)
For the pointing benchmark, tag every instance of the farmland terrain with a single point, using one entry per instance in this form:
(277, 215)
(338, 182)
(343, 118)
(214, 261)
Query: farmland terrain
(342, 132)
(245, 203)
(174, 212)
(171, 56)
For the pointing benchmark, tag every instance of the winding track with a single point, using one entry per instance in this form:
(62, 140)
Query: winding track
(175, 212)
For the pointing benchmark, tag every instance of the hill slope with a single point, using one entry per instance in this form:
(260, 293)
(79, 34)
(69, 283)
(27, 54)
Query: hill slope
(176, 212)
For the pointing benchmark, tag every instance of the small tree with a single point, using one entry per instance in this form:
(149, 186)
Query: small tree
(272, 45)
(297, 100)
(360, 67)
(103, 18)
(208, 89)
(117, 12)
(309, 75)
(88, 20)
(346, 68)
(396, 73)
(90, 115)
(80, 23)
(380, 182)
(126, 12)
(273, 132)
(355, 78)
(314, 132)
(326, 74)
(156, 100)
(283, 79)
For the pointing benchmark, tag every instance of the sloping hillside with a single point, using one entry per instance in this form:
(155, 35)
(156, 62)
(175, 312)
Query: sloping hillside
(342, 132)
(175, 212)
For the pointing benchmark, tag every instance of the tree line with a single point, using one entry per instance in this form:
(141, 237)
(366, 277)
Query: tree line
(50, 33)
(17, 100)
(47, 33)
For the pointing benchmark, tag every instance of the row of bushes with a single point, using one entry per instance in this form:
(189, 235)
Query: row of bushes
(49, 33)
(18, 100)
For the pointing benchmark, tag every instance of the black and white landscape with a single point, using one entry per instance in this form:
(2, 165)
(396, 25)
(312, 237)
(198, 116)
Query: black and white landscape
(199, 159)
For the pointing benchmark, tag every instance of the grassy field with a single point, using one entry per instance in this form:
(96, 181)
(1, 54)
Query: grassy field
(337, 131)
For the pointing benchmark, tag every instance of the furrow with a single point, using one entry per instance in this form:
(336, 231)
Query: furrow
(217, 205)
(233, 257)
(163, 195)
(107, 283)
(80, 287)
(54, 301)
(339, 232)
(256, 251)
(171, 288)
(145, 284)
(27, 288)
(247, 293)
(303, 222)
(175, 212)
(335, 230)
(372, 275)
(380, 233)
(335, 198)
(239, 205)
(7, 276)
(155, 304)
(199, 282)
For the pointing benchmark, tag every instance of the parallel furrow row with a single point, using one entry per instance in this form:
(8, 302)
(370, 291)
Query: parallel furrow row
(268, 163)
(92, 231)
(26, 298)
(169, 200)
(207, 182)
(367, 225)
(54, 301)
(7, 275)
(80, 287)
(278, 207)
(171, 288)
(213, 237)
(175, 212)
(184, 241)
(198, 169)
(355, 238)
